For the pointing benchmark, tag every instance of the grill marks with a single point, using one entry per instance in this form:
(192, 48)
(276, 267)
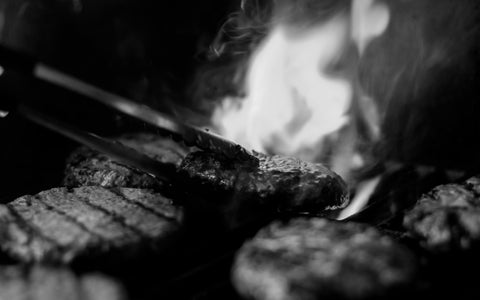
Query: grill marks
(129, 215)
(93, 221)
(60, 225)
(163, 208)
(22, 235)
(115, 219)
(60, 231)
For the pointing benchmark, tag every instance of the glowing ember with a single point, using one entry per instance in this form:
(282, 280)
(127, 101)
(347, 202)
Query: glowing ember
(292, 101)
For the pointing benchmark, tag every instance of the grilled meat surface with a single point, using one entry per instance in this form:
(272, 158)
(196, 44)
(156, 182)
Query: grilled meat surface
(277, 183)
(62, 225)
(40, 283)
(86, 167)
(320, 259)
(234, 190)
(448, 217)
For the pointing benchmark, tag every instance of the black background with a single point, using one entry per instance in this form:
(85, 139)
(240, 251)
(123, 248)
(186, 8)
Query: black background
(145, 50)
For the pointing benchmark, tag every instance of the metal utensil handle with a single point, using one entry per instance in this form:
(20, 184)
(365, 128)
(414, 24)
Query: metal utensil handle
(114, 149)
(192, 135)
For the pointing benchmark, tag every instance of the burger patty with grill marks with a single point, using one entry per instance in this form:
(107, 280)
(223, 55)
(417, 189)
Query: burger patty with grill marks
(278, 183)
(61, 225)
(40, 283)
(234, 189)
(314, 258)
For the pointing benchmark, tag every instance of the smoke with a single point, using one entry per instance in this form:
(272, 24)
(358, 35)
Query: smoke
(227, 59)
(423, 75)
(2, 20)
(417, 83)
(244, 29)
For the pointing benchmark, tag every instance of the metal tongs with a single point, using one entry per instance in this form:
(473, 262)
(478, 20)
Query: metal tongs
(25, 67)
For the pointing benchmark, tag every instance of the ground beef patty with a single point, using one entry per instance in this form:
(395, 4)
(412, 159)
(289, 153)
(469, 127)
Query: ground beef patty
(319, 259)
(61, 225)
(277, 183)
(86, 167)
(448, 217)
(40, 283)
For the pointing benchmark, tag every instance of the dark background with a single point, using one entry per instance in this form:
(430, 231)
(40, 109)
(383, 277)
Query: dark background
(145, 50)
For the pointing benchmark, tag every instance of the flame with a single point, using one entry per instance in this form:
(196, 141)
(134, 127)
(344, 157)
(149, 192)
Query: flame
(295, 98)
(369, 20)
(292, 102)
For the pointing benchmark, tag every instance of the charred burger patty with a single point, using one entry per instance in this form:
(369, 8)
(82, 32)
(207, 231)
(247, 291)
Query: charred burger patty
(277, 183)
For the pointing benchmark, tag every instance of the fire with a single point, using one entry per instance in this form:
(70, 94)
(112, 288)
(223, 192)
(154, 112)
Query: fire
(292, 101)
(369, 20)
(297, 97)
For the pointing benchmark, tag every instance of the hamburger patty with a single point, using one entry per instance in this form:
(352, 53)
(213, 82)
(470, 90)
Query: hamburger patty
(277, 183)
(232, 189)
(448, 217)
(320, 259)
(86, 167)
(40, 283)
(61, 225)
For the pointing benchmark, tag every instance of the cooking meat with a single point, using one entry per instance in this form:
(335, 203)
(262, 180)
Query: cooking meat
(86, 167)
(234, 189)
(320, 259)
(277, 183)
(447, 218)
(62, 225)
(40, 283)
